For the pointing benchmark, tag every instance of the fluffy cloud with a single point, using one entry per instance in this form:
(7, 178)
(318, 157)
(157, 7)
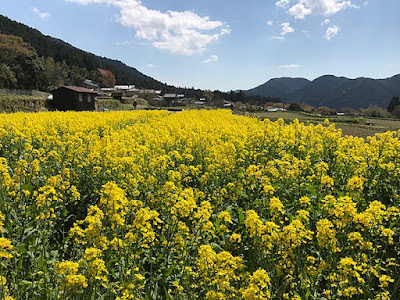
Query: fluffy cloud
(43, 15)
(331, 32)
(212, 59)
(269, 23)
(286, 29)
(301, 8)
(184, 33)
(299, 11)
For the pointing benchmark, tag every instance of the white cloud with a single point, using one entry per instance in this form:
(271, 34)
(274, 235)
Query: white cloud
(290, 66)
(286, 29)
(269, 23)
(282, 3)
(299, 11)
(325, 22)
(332, 32)
(301, 8)
(212, 59)
(150, 66)
(184, 33)
(42, 15)
(277, 37)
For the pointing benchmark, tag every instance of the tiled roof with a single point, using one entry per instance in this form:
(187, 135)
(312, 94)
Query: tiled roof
(79, 89)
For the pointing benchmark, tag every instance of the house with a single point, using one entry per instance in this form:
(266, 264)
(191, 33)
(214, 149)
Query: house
(87, 83)
(228, 104)
(74, 98)
(107, 90)
(133, 92)
(124, 87)
(201, 101)
(275, 109)
(170, 98)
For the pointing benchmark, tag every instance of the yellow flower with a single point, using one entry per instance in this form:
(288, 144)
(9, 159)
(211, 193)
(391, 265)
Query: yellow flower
(66, 267)
(76, 280)
(275, 205)
(1, 222)
(304, 200)
(235, 238)
(258, 287)
(225, 217)
(326, 235)
(5, 245)
(384, 280)
(254, 224)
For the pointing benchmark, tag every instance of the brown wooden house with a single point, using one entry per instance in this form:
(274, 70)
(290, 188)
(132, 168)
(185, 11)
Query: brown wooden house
(74, 98)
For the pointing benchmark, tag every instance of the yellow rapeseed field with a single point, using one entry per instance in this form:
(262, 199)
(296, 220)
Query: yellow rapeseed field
(195, 205)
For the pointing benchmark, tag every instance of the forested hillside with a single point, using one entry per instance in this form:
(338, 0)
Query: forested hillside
(332, 91)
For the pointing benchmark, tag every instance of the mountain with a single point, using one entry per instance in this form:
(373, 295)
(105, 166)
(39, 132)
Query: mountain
(332, 91)
(393, 83)
(59, 50)
(279, 87)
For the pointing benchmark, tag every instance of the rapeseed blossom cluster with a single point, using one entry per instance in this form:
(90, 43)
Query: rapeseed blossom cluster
(195, 205)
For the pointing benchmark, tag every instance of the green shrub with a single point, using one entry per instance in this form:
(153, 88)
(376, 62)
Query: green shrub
(109, 104)
(16, 103)
(376, 112)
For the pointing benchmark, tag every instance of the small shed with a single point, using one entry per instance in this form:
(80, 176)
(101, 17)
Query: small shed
(117, 95)
(74, 98)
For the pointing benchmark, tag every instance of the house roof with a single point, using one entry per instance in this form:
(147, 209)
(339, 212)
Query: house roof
(124, 86)
(169, 95)
(90, 83)
(79, 89)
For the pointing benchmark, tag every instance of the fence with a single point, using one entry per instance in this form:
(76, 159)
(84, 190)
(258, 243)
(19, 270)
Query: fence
(24, 93)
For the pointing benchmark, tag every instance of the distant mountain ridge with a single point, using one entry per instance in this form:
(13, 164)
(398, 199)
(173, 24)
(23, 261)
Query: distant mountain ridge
(59, 50)
(334, 92)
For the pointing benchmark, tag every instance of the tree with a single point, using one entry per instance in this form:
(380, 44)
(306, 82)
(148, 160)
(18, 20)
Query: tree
(325, 111)
(375, 112)
(22, 60)
(349, 111)
(295, 106)
(55, 74)
(396, 111)
(105, 78)
(7, 77)
(395, 101)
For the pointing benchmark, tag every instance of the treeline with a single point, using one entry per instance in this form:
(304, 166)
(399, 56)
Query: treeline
(217, 97)
(22, 68)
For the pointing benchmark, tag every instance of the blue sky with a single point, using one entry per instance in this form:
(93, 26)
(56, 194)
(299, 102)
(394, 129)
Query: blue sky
(216, 44)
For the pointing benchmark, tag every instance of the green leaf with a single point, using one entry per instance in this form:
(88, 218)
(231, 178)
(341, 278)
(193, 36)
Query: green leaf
(170, 270)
